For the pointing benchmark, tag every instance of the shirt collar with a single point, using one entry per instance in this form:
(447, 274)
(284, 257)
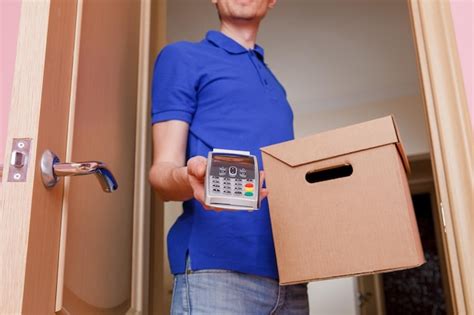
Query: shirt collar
(230, 45)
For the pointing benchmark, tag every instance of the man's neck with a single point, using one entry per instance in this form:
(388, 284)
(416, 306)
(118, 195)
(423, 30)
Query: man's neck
(244, 34)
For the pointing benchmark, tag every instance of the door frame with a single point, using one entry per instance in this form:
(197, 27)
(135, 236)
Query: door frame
(142, 189)
(451, 140)
(157, 292)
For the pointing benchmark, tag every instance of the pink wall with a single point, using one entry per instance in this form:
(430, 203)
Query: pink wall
(463, 17)
(9, 22)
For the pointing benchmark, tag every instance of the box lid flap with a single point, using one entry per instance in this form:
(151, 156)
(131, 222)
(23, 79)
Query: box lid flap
(335, 142)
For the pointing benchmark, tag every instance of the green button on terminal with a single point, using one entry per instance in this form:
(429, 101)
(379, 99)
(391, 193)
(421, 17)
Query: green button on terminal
(249, 194)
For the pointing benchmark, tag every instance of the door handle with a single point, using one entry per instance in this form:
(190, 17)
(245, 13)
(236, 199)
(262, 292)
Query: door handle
(52, 169)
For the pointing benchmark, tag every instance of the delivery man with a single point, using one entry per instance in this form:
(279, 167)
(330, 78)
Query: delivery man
(220, 93)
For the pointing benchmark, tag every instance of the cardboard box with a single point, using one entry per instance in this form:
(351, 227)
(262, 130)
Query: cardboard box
(340, 203)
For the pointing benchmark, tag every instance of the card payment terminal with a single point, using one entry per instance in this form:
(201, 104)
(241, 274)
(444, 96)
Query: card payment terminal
(232, 180)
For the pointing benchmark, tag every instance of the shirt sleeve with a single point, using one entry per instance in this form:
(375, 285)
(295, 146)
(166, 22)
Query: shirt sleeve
(173, 87)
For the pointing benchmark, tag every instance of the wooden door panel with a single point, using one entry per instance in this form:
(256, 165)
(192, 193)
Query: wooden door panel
(29, 213)
(98, 254)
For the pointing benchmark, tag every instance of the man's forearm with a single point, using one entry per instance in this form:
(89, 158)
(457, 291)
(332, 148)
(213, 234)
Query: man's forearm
(170, 181)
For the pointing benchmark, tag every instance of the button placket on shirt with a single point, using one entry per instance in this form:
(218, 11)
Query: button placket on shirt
(258, 66)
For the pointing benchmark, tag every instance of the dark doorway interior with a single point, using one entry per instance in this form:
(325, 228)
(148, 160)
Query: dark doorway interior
(418, 290)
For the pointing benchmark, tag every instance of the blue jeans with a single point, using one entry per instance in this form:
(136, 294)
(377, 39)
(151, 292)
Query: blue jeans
(225, 292)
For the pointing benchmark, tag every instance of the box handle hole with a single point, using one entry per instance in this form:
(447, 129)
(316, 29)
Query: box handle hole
(329, 173)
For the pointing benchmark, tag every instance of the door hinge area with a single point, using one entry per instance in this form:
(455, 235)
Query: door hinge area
(441, 209)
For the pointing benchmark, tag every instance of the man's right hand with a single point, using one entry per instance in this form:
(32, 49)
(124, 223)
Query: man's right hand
(170, 175)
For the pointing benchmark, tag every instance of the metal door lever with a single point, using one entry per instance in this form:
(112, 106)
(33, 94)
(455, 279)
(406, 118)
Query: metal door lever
(52, 169)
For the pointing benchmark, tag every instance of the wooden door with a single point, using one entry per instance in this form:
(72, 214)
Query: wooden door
(76, 92)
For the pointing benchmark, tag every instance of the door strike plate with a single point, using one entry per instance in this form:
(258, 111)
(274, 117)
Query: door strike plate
(19, 158)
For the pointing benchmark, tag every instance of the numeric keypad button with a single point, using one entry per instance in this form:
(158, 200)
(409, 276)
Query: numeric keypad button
(232, 171)
(222, 171)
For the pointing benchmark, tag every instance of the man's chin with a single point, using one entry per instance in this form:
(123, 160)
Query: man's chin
(244, 17)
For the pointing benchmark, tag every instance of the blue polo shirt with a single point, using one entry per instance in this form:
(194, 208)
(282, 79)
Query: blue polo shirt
(231, 100)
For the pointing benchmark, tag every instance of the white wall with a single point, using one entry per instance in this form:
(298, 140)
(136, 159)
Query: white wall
(341, 62)
(331, 56)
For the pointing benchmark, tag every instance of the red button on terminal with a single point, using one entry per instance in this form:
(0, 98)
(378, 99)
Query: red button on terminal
(249, 185)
